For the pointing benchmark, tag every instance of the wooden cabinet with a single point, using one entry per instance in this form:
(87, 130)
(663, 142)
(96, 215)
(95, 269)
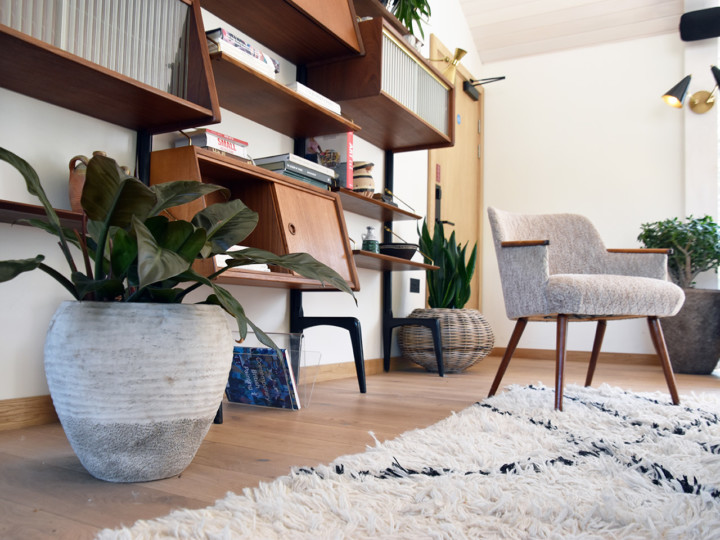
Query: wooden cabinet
(400, 101)
(293, 216)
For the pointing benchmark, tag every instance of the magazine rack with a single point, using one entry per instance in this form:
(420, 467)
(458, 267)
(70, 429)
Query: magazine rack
(304, 363)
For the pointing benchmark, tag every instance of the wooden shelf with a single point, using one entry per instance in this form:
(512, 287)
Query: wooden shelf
(373, 8)
(372, 208)
(251, 94)
(12, 212)
(42, 71)
(303, 31)
(357, 85)
(377, 261)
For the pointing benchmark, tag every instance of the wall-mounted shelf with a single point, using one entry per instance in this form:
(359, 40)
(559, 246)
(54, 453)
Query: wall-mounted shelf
(45, 72)
(378, 261)
(251, 94)
(373, 208)
(12, 212)
(303, 31)
(374, 91)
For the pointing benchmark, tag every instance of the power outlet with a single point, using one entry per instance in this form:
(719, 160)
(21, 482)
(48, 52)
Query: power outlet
(414, 285)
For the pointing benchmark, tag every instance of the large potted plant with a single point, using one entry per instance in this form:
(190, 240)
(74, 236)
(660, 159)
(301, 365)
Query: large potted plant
(466, 335)
(693, 335)
(136, 376)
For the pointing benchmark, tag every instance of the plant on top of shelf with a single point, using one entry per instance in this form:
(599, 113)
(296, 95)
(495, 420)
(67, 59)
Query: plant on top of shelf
(411, 13)
(144, 256)
(449, 286)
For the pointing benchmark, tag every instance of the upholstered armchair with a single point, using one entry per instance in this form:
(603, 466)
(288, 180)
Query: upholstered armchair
(555, 267)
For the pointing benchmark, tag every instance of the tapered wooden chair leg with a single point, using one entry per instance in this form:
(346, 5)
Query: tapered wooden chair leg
(658, 340)
(512, 345)
(599, 335)
(561, 352)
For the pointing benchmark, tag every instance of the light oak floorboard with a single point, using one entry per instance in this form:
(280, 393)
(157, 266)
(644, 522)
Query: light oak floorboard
(46, 493)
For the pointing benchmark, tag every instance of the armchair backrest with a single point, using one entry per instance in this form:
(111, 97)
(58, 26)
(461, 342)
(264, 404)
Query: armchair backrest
(575, 245)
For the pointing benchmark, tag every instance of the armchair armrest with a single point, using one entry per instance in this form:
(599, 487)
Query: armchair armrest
(524, 243)
(524, 270)
(643, 262)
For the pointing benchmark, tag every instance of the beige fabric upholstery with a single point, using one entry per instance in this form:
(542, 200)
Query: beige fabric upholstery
(574, 274)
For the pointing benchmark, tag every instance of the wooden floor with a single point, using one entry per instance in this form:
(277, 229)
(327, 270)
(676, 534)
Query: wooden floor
(46, 493)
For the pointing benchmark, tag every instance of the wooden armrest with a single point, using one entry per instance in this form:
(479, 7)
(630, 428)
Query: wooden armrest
(525, 243)
(667, 251)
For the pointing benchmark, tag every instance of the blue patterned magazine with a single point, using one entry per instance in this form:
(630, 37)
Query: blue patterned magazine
(258, 376)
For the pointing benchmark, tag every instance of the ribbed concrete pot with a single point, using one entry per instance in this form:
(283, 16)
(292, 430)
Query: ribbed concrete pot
(137, 386)
(693, 335)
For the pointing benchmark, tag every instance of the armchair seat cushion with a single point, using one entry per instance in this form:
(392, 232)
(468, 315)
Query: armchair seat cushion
(612, 295)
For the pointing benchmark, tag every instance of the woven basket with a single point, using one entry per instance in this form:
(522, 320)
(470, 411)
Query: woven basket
(466, 339)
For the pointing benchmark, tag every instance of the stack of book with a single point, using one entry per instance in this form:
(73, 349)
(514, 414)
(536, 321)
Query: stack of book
(299, 168)
(215, 141)
(220, 40)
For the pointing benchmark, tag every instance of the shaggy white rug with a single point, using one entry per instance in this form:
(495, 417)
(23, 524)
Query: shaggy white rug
(612, 465)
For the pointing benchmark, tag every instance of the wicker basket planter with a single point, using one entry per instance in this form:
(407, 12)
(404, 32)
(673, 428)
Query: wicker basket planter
(466, 339)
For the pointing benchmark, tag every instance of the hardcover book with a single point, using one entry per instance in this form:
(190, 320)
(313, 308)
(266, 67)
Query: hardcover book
(258, 376)
(208, 138)
(220, 40)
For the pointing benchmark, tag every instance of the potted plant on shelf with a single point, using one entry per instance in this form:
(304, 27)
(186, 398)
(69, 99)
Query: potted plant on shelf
(693, 335)
(466, 335)
(411, 13)
(135, 375)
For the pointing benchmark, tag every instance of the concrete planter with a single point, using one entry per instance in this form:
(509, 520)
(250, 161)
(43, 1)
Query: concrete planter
(136, 386)
(693, 335)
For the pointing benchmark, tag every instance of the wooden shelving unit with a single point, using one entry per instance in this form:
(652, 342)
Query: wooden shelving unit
(373, 208)
(373, 8)
(265, 101)
(378, 261)
(39, 70)
(303, 31)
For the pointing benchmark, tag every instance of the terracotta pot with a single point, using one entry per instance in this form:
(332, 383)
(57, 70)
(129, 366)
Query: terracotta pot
(137, 386)
(693, 335)
(76, 181)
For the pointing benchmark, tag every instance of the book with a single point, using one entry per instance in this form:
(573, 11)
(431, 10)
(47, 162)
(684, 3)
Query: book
(220, 40)
(259, 376)
(315, 97)
(296, 160)
(208, 138)
(334, 152)
(306, 179)
(297, 170)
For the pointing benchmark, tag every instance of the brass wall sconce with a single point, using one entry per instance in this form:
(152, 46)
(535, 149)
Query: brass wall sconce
(451, 69)
(700, 102)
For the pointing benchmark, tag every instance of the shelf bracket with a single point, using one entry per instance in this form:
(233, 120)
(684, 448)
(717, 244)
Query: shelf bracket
(389, 321)
(299, 322)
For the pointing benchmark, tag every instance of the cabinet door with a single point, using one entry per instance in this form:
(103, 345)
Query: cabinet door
(312, 223)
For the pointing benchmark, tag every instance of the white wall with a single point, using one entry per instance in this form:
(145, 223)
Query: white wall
(584, 131)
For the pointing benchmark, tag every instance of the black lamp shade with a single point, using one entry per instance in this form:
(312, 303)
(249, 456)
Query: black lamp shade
(676, 95)
(716, 74)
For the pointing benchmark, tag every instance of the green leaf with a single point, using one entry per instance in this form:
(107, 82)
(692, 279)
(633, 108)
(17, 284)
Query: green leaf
(154, 262)
(124, 252)
(13, 268)
(302, 263)
(227, 225)
(102, 290)
(179, 192)
(178, 236)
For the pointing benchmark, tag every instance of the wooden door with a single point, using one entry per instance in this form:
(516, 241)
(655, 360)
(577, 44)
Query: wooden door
(457, 172)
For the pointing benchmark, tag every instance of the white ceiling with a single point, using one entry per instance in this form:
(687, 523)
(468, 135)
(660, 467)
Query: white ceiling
(505, 29)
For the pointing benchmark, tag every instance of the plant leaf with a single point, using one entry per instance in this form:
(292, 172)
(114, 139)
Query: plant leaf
(13, 268)
(154, 262)
(179, 192)
(227, 224)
